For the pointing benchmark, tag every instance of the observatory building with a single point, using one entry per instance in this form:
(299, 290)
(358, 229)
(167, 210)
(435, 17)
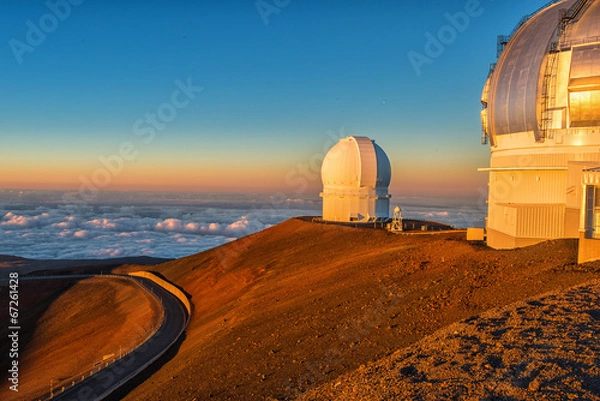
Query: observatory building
(541, 117)
(356, 174)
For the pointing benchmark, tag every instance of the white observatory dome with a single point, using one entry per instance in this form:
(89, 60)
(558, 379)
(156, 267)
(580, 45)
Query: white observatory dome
(541, 115)
(356, 174)
(547, 79)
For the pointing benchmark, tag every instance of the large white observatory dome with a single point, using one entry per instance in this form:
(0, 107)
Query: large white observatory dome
(542, 117)
(356, 174)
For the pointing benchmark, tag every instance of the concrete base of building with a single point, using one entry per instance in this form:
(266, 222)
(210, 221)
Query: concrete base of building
(589, 249)
(500, 240)
(572, 219)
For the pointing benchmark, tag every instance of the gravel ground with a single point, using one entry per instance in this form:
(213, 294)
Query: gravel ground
(546, 348)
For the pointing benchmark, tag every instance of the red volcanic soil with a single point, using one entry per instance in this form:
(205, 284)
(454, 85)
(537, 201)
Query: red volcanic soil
(541, 349)
(299, 305)
(69, 325)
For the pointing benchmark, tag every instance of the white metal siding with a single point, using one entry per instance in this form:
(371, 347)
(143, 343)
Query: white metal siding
(368, 162)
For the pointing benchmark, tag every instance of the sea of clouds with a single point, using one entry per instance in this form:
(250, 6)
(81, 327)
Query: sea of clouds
(459, 212)
(42, 225)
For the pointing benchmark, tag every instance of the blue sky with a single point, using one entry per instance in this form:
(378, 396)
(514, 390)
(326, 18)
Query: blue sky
(271, 92)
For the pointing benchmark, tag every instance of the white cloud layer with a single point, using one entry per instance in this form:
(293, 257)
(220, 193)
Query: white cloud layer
(39, 225)
(117, 228)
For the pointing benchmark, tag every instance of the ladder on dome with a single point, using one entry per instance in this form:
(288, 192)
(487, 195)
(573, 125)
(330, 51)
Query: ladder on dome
(548, 96)
(550, 75)
(573, 12)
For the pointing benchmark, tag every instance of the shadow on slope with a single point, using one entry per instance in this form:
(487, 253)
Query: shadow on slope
(35, 297)
(297, 305)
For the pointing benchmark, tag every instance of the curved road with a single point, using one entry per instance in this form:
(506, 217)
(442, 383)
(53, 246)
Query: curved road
(109, 379)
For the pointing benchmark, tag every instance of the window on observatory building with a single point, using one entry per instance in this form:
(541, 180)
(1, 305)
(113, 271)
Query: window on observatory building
(585, 108)
(584, 86)
(592, 212)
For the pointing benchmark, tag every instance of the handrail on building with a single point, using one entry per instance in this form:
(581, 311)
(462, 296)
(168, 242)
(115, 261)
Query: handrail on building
(504, 39)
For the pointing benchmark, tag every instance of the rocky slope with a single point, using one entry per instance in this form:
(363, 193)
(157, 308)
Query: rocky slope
(544, 348)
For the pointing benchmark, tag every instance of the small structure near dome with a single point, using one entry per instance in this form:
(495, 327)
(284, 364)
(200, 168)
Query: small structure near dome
(589, 243)
(356, 174)
(396, 225)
